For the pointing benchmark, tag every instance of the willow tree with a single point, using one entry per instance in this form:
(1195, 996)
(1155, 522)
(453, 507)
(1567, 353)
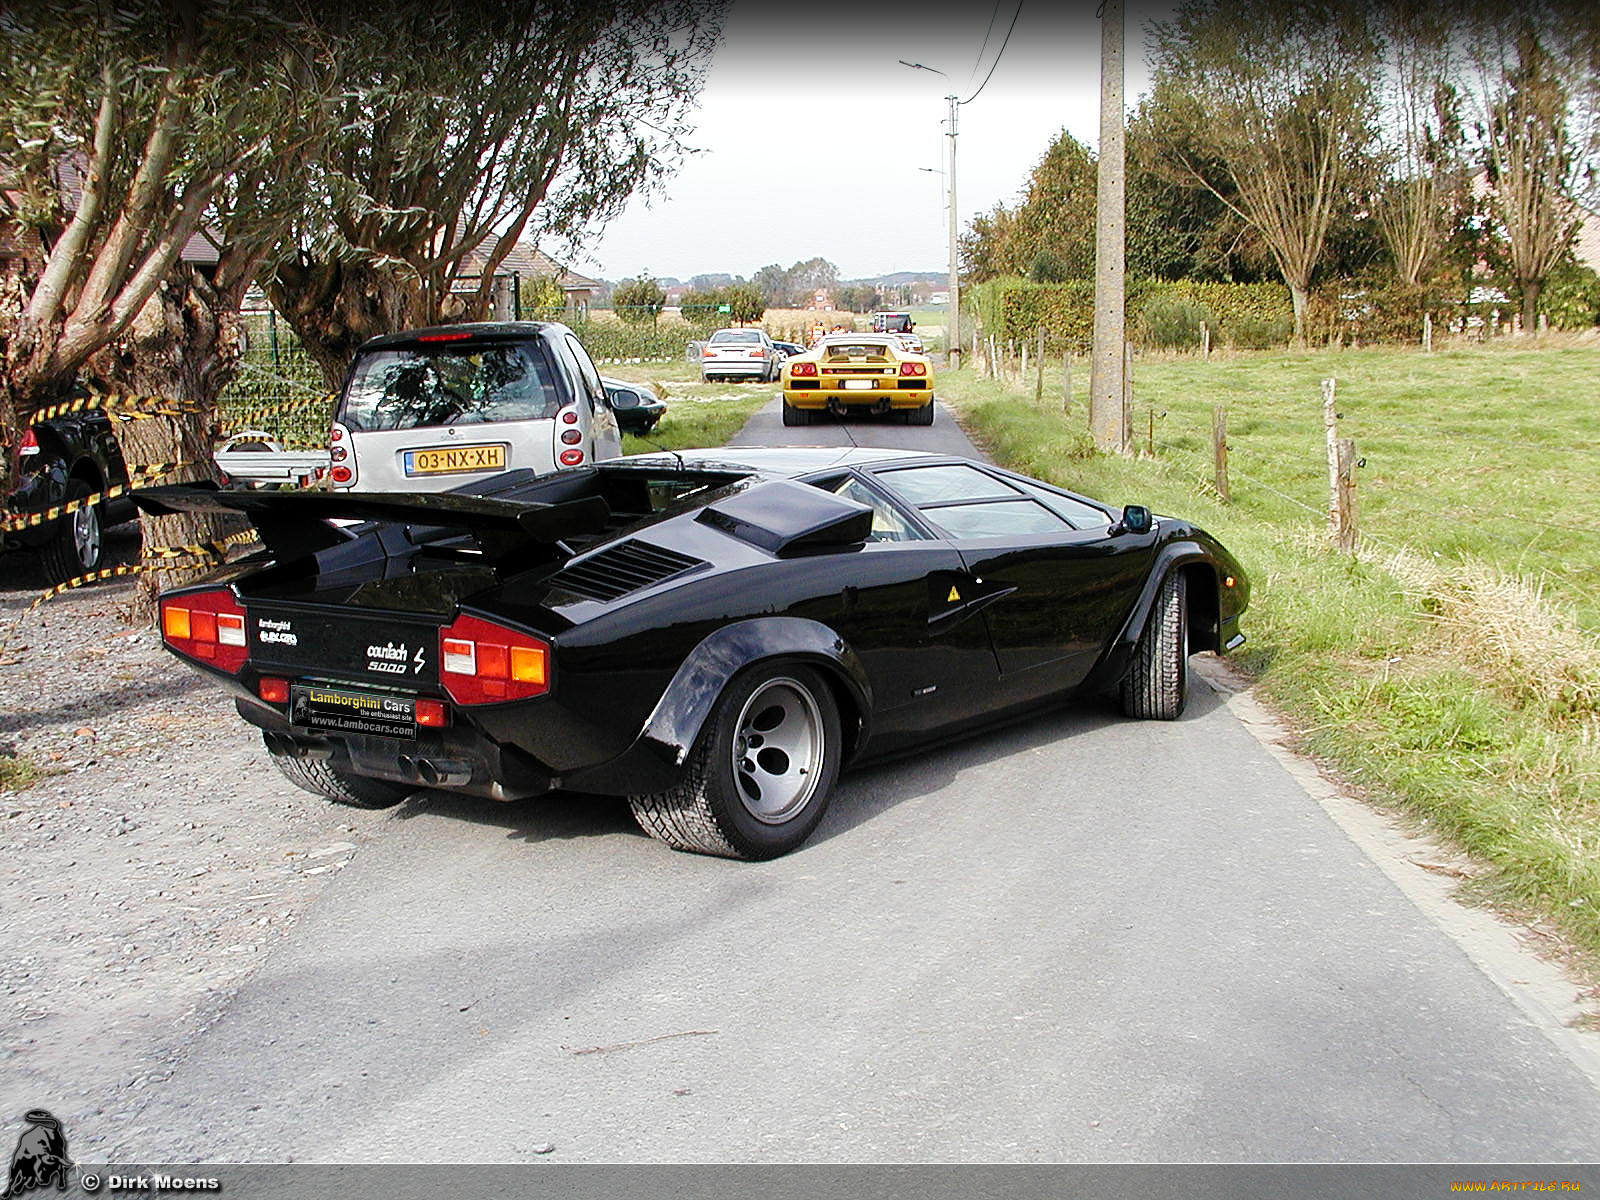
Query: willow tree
(1273, 114)
(1424, 173)
(462, 130)
(1537, 93)
(128, 133)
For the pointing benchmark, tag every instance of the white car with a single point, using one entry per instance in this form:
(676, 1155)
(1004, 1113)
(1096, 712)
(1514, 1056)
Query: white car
(431, 409)
(741, 353)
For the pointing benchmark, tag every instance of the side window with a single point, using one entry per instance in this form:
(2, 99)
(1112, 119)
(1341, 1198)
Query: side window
(934, 485)
(1075, 512)
(571, 379)
(887, 525)
(1000, 518)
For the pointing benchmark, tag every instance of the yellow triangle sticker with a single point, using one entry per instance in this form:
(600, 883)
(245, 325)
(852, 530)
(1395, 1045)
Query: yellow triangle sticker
(953, 598)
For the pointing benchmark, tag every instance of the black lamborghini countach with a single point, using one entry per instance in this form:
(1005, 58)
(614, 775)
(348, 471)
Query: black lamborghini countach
(712, 634)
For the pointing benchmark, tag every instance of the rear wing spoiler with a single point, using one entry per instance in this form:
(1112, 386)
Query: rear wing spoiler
(292, 524)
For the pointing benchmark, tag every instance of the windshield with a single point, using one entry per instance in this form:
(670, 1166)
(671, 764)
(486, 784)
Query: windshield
(450, 385)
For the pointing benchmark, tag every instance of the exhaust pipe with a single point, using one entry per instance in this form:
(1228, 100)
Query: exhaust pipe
(286, 745)
(443, 772)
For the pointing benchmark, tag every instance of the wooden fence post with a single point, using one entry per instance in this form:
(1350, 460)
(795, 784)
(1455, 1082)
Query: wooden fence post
(1022, 377)
(1038, 386)
(1219, 448)
(1427, 333)
(1205, 342)
(1345, 495)
(1341, 474)
(1066, 381)
(1150, 433)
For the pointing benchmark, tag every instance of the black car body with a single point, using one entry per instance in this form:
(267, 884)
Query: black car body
(62, 459)
(635, 405)
(710, 634)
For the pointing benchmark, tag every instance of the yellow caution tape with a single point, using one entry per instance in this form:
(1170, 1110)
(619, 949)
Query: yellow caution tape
(117, 401)
(205, 554)
(138, 477)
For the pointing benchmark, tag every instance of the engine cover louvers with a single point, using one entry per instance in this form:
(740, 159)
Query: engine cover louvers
(618, 570)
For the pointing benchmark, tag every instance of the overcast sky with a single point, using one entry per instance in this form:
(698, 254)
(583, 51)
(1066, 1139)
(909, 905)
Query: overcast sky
(813, 135)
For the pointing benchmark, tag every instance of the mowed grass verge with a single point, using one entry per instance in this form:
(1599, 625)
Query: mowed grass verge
(1451, 668)
(698, 414)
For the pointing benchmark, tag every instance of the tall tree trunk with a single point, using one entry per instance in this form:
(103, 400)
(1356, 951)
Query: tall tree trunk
(1299, 294)
(184, 345)
(1530, 304)
(333, 307)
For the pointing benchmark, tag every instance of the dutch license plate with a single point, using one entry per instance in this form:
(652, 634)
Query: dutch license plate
(349, 710)
(860, 385)
(455, 459)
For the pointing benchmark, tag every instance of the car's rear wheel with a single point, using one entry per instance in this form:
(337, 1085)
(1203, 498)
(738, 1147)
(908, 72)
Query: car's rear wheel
(921, 416)
(795, 416)
(760, 777)
(325, 780)
(78, 544)
(1157, 683)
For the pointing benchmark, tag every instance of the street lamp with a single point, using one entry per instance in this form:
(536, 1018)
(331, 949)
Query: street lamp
(953, 323)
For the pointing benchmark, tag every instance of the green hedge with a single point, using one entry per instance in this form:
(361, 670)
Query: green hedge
(1014, 309)
(612, 341)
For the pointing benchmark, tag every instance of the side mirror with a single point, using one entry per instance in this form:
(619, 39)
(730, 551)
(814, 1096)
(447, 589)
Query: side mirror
(623, 398)
(1135, 519)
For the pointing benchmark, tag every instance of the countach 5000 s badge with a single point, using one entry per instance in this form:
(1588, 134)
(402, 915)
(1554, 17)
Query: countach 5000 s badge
(391, 659)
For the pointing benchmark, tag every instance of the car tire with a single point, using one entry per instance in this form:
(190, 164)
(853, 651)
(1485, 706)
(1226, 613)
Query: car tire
(342, 787)
(1156, 686)
(921, 416)
(78, 545)
(761, 774)
(795, 416)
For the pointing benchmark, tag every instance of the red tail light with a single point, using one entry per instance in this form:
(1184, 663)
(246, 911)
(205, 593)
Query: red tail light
(759, 352)
(28, 445)
(913, 368)
(803, 370)
(481, 662)
(444, 337)
(207, 627)
(571, 458)
(340, 452)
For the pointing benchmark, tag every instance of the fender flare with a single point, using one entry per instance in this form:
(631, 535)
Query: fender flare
(1118, 654)
(674, 725)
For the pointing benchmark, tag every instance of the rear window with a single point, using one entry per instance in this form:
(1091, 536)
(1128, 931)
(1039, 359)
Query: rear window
(736, 335)
(449, 385)
(840, 351)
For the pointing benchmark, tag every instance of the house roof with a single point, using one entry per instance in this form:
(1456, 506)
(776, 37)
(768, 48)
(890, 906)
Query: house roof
(529, 260)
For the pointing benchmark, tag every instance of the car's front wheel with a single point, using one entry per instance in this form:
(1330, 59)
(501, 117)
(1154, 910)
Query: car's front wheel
(78, 544)
(760, 776)
(342, 787)
(1157, 683)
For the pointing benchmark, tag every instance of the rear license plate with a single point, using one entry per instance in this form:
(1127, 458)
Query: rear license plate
(348, 710)
(860, 385)
(455, 459)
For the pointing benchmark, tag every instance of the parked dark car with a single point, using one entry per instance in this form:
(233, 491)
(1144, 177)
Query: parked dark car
(59, 460)
(789, 349)
(711, 634)
(637, 408)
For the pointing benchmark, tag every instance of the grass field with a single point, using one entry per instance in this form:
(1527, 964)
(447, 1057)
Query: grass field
(698, 414)
(1452, 666)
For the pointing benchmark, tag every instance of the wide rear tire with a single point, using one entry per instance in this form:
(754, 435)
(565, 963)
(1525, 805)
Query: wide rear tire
(1156, 686)
(341, 787)
(921, 416)
(793, 416)
(761, 774)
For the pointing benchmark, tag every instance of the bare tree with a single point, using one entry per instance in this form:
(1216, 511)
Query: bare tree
(1538, 127)
(1277, 113)
(461, 130)
(1425, 174)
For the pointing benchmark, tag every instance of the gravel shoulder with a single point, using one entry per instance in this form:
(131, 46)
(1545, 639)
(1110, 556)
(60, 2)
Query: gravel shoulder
(153, 866)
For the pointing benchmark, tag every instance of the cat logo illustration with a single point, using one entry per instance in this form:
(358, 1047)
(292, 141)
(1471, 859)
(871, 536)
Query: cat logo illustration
(40, 1158)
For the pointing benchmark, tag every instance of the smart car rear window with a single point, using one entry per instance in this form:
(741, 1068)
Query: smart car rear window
(448, 385)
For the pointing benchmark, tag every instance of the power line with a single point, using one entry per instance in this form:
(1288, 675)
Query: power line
(997, 57)
(995, 12)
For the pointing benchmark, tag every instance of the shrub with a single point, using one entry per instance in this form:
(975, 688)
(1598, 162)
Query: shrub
(1173, 322)
(1571, 298)
(1251, 332)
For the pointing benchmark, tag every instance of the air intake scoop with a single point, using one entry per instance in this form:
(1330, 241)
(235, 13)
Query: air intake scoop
(786, 518)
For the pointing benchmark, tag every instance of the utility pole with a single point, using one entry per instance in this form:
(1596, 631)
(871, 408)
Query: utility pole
(952, 339)
(1107, 418)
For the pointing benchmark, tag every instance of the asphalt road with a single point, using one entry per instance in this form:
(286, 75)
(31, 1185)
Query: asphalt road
(1078, 938)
